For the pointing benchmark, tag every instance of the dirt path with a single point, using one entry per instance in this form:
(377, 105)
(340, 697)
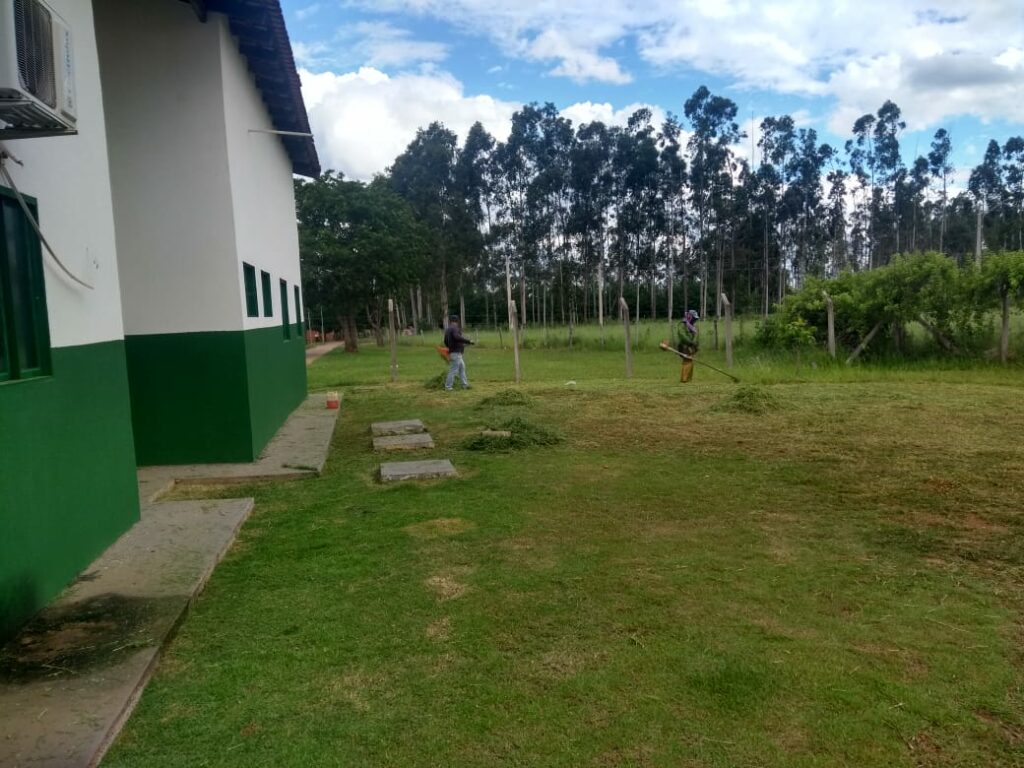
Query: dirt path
(315, 353)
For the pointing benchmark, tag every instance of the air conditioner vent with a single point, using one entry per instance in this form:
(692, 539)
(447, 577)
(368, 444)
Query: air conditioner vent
(33, 29)
(37, 71)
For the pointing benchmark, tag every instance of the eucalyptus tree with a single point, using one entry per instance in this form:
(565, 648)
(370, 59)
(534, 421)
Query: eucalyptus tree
(471, 186)
(986, 186)
(672, 189)
(917, 182)
(836, 218)
(424, 175)
(549, 193)
(1013, 177)
(590, 192)
(636, 165)
(515, 168)
(778, 148)
(940, 167)
(888, 165)
(713, 120)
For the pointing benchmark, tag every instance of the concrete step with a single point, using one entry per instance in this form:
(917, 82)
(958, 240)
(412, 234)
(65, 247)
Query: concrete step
(406, 427)
(395, 471)
(421, 441)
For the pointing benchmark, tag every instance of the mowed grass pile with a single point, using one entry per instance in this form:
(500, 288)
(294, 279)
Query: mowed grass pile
(828, 577)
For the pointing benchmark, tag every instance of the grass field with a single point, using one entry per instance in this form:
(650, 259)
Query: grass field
(824, 569)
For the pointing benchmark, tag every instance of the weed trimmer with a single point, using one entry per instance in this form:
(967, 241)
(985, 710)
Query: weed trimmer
(665, 345)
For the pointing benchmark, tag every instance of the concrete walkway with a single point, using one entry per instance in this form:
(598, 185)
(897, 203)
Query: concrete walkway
(315, 353)
(299, 449)
(71, 678)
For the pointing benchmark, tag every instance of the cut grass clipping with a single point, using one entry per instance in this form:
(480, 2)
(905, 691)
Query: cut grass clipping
(436, 382)
(749, 399)
(522, 434)
(507, 397)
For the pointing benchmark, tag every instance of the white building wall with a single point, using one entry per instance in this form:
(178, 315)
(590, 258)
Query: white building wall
(164, 100)
(69, 177)
(262, 190)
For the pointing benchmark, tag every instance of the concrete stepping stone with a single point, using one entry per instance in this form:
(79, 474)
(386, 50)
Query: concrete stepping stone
(415, 442)
(394, 471)
(387, 428)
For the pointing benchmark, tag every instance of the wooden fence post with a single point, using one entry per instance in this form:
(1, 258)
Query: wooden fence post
(514, 318)
(728, 330)
(830, 307)
(394, 340)
(624, 311)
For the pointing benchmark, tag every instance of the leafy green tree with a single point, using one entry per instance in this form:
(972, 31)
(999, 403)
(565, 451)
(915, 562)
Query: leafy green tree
(424, 175)
(359, 244)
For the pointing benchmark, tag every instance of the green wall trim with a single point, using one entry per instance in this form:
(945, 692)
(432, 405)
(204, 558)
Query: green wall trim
(67, 470)
(211, 396)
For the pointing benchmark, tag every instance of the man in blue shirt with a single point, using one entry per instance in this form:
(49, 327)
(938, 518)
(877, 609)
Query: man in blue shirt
(456, 343)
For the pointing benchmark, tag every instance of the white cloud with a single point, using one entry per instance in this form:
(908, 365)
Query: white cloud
(575, 61)
(935, 58)
(588, 111)
(380, 44)
(363, 120)
(310, 10)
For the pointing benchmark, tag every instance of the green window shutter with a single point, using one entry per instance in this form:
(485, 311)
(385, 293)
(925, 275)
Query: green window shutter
(298, 312)
(252, 308)
(284, 310)
(268, 298)
(24, 325)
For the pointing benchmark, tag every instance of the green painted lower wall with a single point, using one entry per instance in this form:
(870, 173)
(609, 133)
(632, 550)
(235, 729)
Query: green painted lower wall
(211, 397)
(277, 380)
(67, 474)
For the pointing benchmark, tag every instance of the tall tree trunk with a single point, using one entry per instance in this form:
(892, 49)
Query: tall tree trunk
(350, 331)
(522, 296)
(977, 236)
(670, 287)
(1004, 333)
(419, 302)
(413, 313)
(462, 307)
(561, 290)
(508, 291)
(378, 331)
(445, 309)
(942, 225)
(654, 300)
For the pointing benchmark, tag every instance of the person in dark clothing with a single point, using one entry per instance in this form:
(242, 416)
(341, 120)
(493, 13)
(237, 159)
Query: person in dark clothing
(456, 343)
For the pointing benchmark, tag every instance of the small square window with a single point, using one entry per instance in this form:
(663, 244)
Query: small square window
(284, 310)
(252, 307)
(268, 298)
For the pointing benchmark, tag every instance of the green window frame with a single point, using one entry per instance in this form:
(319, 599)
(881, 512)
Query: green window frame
(252, 306)
(24, 322)
(284, 311)
(268, 297)
(298, 311)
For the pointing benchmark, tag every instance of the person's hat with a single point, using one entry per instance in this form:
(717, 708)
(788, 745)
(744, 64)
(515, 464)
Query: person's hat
(453, 317)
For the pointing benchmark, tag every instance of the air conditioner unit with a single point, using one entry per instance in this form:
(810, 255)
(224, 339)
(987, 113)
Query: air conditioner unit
(37, 72)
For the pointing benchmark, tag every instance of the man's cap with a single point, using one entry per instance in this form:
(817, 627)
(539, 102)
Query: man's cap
(453, 317)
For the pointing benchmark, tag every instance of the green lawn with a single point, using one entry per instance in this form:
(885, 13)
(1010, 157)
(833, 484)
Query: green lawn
(834, 581)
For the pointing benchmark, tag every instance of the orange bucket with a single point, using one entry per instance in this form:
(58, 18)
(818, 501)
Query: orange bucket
(333, 400)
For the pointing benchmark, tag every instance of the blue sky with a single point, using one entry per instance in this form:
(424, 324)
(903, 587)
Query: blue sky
(375, 70)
